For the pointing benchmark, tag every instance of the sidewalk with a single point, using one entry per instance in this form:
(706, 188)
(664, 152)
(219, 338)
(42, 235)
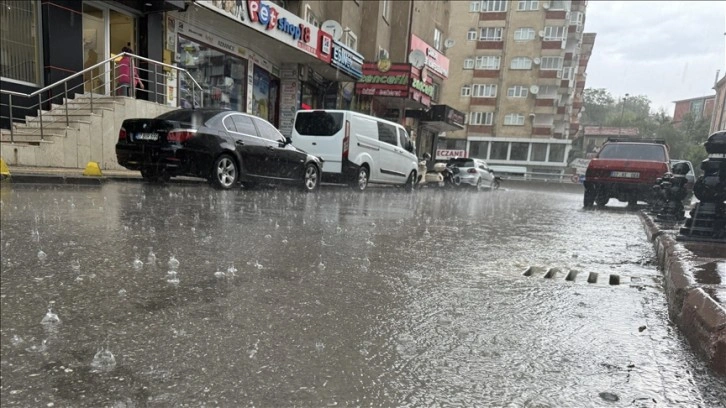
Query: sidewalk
(57, 175)
(695, 284)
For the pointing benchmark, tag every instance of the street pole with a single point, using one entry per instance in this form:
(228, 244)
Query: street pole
(622, 111)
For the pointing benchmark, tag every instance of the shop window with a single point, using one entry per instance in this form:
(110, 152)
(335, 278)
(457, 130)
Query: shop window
(499, 150)
(519, 151)
(351, 40)
(478, 150)
(387, 133)
(557, 153)
(19, 41)
(222, 76)
(539, 152)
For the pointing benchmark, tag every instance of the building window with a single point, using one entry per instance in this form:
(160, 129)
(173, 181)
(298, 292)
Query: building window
(551, 63)
(491, 34)
(568, 73)
(478, 150)
(487, 62)
(519, 151)
(553, 33)
(577, 17)
(469, 63)
(557, 153)
(494, 5)
(523, 5)
(474, 6)
(19, 41)
(351, 40)
(521, 63)
(514, 119)
(524, 34)
(557, 5)
(437, 39)
(435, 93)
(385, 5)
(310, 17)
(481, 118)
(484, 91)
(539, 152)
(471, 35)
(697, 108)
(517, 91)
(499, 150)
(466, 90)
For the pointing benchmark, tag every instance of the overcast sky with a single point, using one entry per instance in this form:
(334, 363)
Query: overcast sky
(666, 50)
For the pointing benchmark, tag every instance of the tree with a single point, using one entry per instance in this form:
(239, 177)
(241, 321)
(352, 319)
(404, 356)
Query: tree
(598, 103)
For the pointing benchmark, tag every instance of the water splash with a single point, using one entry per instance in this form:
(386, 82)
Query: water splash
(258, 265)
(138, 264)
(172, 277)
(151, 258)
(76, 265)
(42, 255)
(50, 318)
(103, 361)
(232, 271)
(173, 262)
(219, 274)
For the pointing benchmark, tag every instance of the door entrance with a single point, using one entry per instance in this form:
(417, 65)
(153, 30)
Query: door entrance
(105, 32)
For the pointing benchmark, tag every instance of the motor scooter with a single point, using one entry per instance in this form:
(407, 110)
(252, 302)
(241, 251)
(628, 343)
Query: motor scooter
(435, 177)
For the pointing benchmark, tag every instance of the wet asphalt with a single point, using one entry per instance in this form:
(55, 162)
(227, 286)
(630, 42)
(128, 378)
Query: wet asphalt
(181, 295)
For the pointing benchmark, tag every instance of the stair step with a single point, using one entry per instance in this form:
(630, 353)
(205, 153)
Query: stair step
(35, 139)
(35, 132)
(33, 122)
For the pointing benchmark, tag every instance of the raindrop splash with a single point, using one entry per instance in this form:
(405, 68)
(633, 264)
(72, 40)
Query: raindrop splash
(42, 255)
(138, 264)
(173, 262)
(50, 318)
(76, 265)
(103, 361)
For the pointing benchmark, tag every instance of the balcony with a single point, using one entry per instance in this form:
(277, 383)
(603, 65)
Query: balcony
(488, 16)
(480, 129)
(490, 45)
(542, 131)
(483, 101)
(580, 85)
(574, 28)
(486, 73)
(561, 110)
(551, 44)
(549, 73)
(555, 15)
(544, 102)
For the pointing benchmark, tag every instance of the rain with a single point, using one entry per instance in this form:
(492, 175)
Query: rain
(171, 295)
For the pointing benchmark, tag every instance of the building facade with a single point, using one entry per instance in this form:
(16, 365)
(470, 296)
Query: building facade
(700, 107)
(518, 72)
(718, 119)
(268, 58)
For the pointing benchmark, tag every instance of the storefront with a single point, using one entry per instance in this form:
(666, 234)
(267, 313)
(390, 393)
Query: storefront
(439, 119)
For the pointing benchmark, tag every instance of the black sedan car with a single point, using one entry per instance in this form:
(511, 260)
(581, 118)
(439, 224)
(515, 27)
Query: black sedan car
(222, 146)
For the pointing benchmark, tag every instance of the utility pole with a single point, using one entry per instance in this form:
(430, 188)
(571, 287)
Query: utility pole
(622, 111)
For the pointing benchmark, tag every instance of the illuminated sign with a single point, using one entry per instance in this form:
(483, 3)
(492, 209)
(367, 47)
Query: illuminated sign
(347, 60)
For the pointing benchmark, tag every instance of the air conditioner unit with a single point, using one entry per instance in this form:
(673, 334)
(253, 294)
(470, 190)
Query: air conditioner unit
(541, 33)
(559, 73)
(546, 6)
(536, 61)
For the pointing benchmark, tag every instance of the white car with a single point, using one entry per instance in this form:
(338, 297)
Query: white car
(472, 172)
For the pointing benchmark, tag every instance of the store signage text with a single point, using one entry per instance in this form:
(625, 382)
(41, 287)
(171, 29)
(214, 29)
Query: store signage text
(437, 62)
(268, 16)
(347, 60)
(401, 79)
(447, 154)
(420, 85)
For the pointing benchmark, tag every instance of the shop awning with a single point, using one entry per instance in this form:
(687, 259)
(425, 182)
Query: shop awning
(443, 118)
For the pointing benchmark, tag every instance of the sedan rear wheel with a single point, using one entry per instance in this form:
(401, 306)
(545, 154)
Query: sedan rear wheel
(312, 177)
(225, 172)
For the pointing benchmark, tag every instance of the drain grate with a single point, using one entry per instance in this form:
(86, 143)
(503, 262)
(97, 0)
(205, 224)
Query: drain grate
(572, 275)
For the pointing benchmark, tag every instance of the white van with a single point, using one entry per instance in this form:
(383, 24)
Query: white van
(356, 149)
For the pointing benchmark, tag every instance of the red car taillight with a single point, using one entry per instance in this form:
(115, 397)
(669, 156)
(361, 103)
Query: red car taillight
(346, 140)
(471, 171)
(180, 135)
(122, 134)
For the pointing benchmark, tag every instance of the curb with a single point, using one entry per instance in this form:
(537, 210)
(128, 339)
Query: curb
(29, 178)
(701, 319)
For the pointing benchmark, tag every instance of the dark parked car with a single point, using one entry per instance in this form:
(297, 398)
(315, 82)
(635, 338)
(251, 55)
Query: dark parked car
(223, 146)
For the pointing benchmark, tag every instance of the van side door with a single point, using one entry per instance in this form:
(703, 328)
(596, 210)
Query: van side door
(391, 160)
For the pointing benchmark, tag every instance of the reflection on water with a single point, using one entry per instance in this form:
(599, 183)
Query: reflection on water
(276, 298)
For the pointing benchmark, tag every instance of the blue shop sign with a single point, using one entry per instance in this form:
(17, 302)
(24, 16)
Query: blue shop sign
(347, 60)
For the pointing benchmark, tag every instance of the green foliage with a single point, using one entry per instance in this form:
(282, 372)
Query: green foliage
(685, 142)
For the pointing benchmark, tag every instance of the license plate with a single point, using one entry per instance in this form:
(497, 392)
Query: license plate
(625, 174)
(147, 136)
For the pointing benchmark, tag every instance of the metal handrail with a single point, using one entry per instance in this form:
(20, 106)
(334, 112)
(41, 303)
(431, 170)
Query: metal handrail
(65, 90)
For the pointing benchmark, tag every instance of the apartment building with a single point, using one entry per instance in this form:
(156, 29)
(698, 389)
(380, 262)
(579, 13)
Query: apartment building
(518, 72)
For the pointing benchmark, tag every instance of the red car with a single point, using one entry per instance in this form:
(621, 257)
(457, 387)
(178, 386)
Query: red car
(625, 170)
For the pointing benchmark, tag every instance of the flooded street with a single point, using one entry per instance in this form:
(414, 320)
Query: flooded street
(135, 295)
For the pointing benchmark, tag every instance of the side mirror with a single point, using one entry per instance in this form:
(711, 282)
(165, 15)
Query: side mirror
(285, 142)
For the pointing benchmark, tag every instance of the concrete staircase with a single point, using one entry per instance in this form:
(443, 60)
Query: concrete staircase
(90, 134)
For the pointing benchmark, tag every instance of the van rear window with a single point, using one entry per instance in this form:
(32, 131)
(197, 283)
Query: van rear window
(654, 152)
(318, 123)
